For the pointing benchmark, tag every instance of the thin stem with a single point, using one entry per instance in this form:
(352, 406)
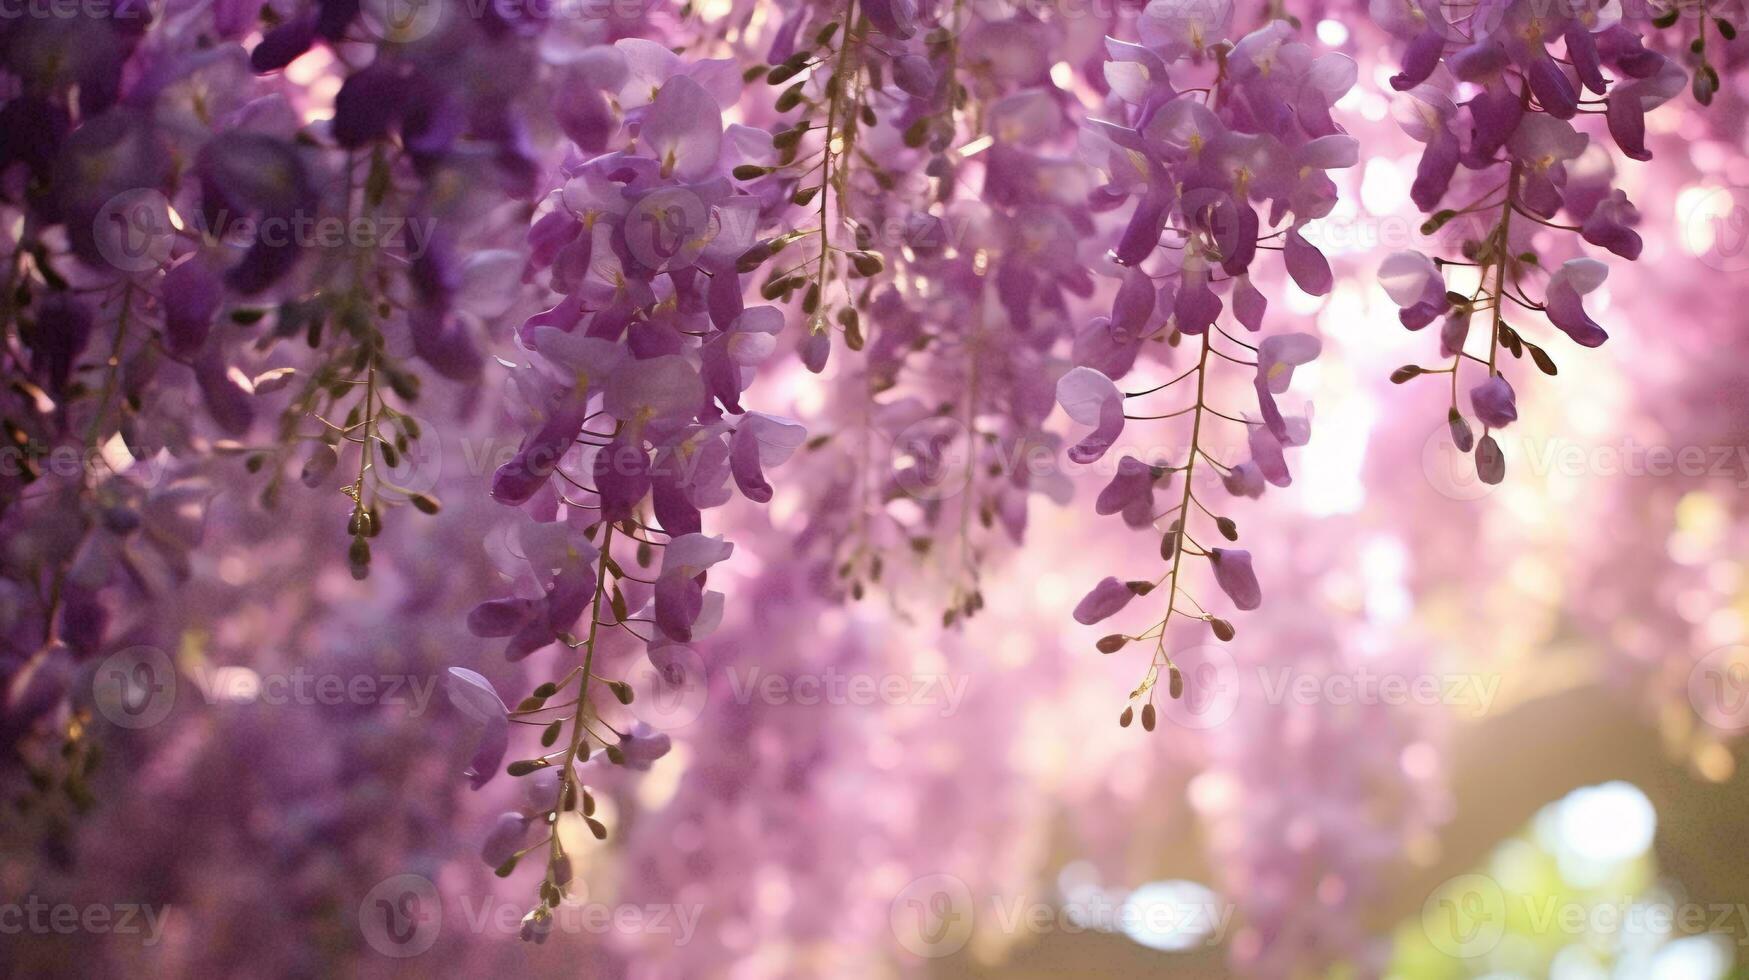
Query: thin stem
(1504, 259)
(836, 82)
(568, 777)
(1189, 477)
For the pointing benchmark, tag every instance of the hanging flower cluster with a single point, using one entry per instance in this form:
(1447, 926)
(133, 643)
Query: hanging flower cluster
(631, 400)
(934, 454)
(1522, 164)
(1200, 162)
(192, 241)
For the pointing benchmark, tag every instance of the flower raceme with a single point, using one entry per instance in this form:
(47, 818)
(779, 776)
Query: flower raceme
(1220, 171)
(183, 257)
(631, 396)
(1499, 170)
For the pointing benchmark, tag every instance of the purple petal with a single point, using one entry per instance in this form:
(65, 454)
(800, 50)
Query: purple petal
(1410, 277)
(1134, 304)
(225, 392)
(1608, 226)
(1565, 307)
(1142, 235)
(679, 599)
(1249, 304)
(1308, 267)
(1552, 88)
(1104, 434)
(894, 18)
(1234, 575)
(1453, 332)
(474, 697)
(528, 471)
(1099, 349)
(622, 477)
(1494, 116)
(1244, 480)
(283, 45)
(1277, 357)
(1627, 124)
(1419, 60)
(192, 295)
(507, 836)
(1106, 599)
(501, 617)
(674, 508)
(1494, 402)
(368, 103)
(1196, 305)
(914, 74)
(1433, 174)
(683, 129)
(1134, 481)
(1582, 52)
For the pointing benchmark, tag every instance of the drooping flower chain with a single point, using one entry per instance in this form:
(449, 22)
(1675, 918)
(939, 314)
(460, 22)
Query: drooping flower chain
(1514, 141)
(1199, 163)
